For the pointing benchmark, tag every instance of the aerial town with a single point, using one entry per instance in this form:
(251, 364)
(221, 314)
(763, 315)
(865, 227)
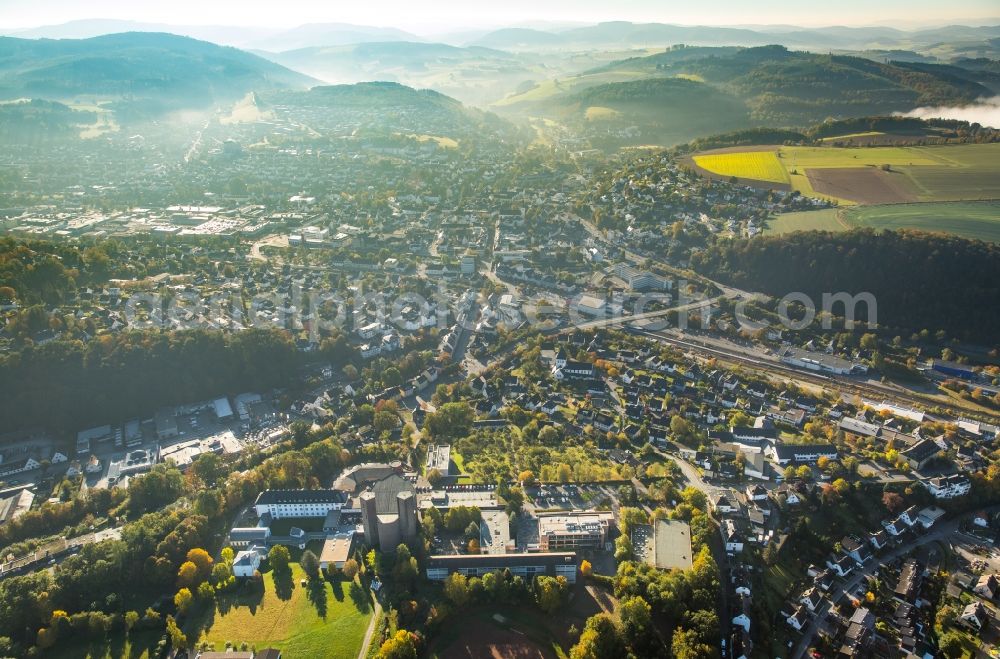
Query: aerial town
(337, 370)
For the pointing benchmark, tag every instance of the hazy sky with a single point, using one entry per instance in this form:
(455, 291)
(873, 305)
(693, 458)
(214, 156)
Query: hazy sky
(441, 15)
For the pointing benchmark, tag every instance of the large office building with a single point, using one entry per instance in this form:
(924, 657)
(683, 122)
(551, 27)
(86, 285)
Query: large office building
(299, 503)
(527, 566)
(571, 530)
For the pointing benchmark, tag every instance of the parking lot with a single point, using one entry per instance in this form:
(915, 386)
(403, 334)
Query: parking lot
(567, 497)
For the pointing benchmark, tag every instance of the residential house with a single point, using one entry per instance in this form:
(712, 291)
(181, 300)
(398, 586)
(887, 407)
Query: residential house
(974, 616)
(987, 586)
(731, 537)
(948, 487)
(798, 619)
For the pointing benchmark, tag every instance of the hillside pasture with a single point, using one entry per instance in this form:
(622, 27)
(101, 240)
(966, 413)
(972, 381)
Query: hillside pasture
(977, 220)
(819, 220)
(599, 113)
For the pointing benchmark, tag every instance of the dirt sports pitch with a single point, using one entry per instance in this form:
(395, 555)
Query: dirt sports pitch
(483, 637)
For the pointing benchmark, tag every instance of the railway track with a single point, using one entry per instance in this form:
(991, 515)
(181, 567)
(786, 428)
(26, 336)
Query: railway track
(868, 389)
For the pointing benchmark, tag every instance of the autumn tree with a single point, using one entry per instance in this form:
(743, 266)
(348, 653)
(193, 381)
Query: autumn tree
(177, 638)
(456, 589)
(400, 645)
(183, 600)
(187, 575)
(892, 501)
(202, 561)
(279, 558)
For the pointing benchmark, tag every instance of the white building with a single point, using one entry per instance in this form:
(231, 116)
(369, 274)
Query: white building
(948, 487)
(246, 562)
(299, 503)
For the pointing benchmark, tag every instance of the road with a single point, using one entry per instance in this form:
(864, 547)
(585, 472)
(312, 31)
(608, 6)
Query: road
(939, 532)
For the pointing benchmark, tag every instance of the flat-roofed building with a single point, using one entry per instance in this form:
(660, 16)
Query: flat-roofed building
(573, 529)
(15, 505)
(336, 551)
(246, 536)
(85, 438)
(439, 458)
(527, 566)
(665, 545)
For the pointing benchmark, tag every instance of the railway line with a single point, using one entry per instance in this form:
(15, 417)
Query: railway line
(845, 385)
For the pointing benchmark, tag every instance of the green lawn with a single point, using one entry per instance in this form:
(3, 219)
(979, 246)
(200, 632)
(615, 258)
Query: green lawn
(820, 220)
(973, 219)
(139, 645)
(970, 219)
(316, 620)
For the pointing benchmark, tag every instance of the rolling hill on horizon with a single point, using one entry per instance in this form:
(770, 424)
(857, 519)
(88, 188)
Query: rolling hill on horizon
(620, 34)
(774, 86)
(475, 74)
(156, 71)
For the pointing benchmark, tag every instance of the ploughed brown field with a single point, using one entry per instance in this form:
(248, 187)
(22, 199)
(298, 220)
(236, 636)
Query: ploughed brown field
(864, 185)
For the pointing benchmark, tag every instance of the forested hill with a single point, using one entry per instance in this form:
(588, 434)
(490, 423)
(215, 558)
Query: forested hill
(68, 385)
(685, 93)
(172, 71)
(791, 88)
(920, 280)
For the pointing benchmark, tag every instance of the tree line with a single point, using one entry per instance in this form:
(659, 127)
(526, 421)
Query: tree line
(919, 280)
(68, 385)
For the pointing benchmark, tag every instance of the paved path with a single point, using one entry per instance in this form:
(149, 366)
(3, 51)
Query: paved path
(371, 629)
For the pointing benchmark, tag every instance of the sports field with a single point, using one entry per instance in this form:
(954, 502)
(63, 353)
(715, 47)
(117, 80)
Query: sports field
(754, 165)
(872, 175)
(978, 220)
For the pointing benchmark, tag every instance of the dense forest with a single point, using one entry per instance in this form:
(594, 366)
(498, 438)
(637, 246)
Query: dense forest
(920, 280)
(903, 130)
(70, 385)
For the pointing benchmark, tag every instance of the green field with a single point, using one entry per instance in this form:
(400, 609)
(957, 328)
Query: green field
(954, 172)
(548, 89)
(316, 620)
(969, 219)
(821, 220)
(756, 165)
(871, 133)
(598, 113)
